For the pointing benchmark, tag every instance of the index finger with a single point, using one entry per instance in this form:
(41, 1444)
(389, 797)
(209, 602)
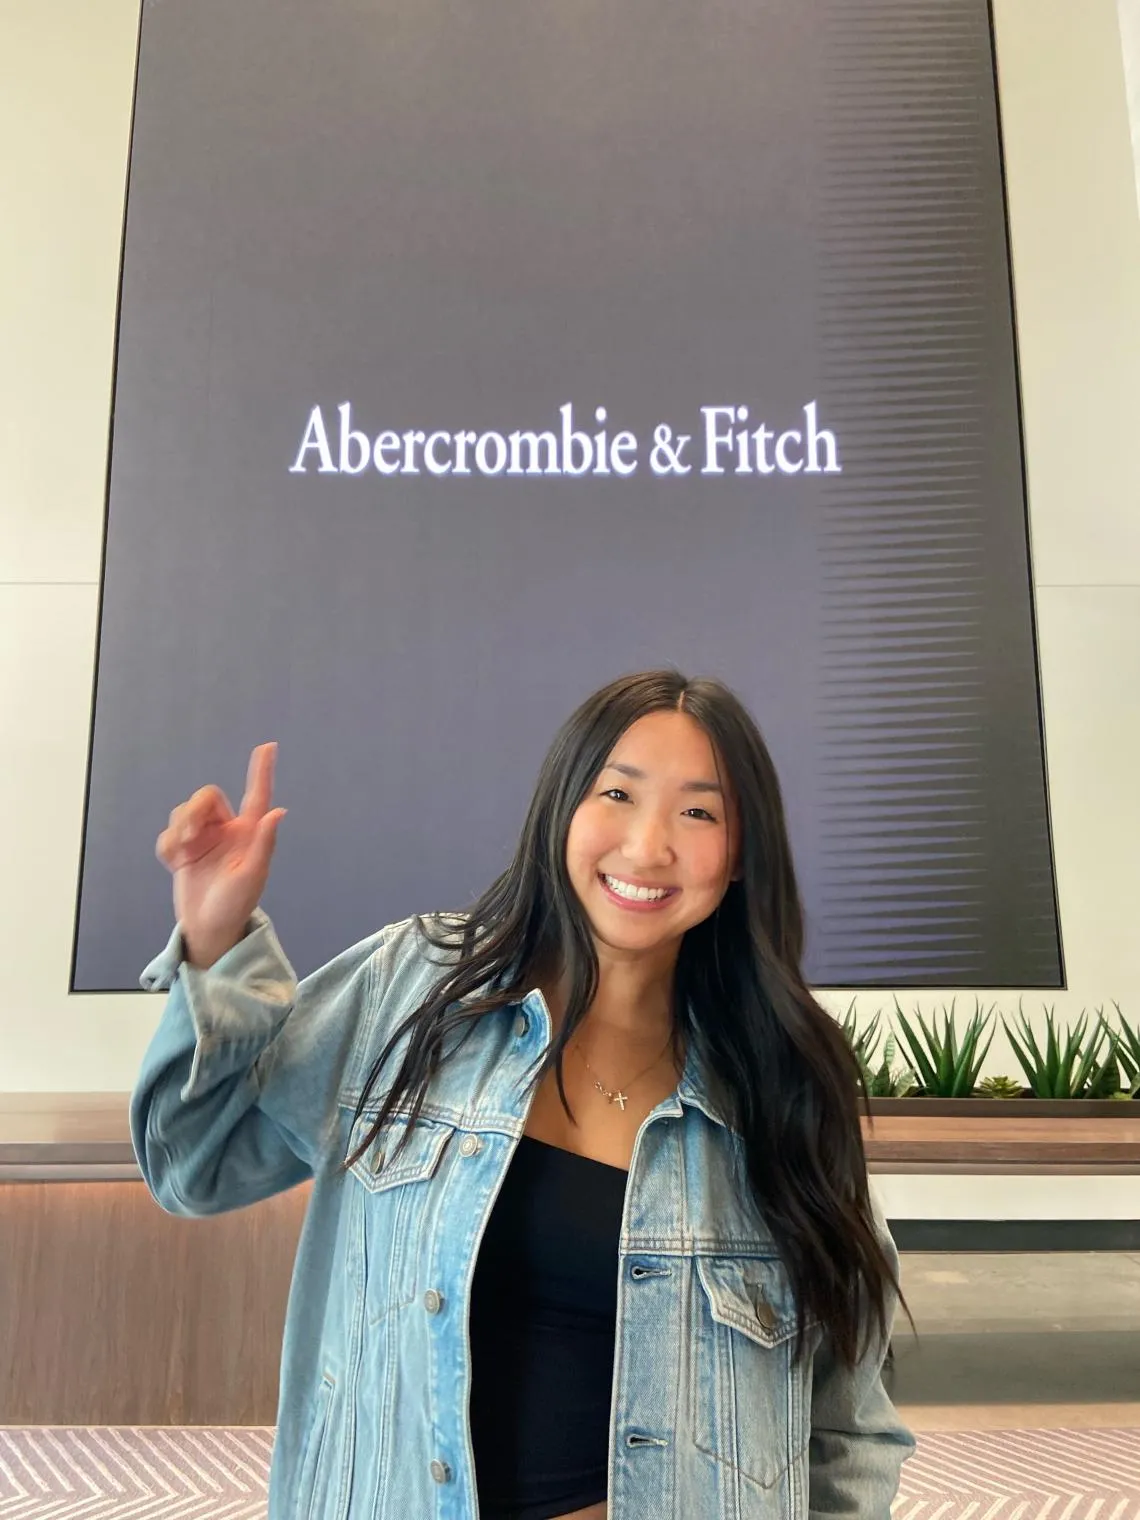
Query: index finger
(259, 781)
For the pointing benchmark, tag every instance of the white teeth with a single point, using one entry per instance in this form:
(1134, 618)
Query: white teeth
(638, 894)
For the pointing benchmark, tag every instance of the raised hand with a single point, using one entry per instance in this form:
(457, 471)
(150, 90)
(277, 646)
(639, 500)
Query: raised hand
(220, 859)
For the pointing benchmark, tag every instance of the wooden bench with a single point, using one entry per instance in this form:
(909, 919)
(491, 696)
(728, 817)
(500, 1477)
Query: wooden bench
(916, 1143)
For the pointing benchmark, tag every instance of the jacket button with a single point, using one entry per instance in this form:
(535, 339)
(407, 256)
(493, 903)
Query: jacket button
(765, 1313)
(520, 1025)
(377, 1161)
(433, 1301)
(440, 1471)
(469, 1145)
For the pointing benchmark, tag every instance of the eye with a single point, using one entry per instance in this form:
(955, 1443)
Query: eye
(704, 813)
(616, 793)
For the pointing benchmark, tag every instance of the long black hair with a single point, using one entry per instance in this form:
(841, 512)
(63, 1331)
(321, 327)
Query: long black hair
(784, 1072)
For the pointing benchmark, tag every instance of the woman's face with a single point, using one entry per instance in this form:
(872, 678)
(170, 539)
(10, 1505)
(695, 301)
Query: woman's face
(652, 847)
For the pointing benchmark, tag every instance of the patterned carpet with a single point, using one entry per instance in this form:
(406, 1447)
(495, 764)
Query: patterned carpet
(161, 1473)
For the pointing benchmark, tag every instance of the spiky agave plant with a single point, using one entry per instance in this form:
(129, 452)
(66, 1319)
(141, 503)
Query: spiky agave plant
(863, 1042)
(1066, 1065)
(1128, 1053)
(947, 1070)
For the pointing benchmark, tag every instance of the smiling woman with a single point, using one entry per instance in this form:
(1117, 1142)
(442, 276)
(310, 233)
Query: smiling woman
(639, 843)
(590, 1233)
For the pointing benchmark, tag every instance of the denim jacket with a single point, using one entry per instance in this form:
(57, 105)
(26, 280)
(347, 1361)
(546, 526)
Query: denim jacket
(249, 1086)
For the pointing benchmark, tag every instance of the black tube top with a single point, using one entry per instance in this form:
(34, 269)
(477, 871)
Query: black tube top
(543, 1320)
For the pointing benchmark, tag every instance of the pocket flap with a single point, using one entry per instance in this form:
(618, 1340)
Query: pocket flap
(401, 1154)
(750, 1294)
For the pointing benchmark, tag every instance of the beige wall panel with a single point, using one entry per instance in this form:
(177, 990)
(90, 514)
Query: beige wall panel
(1090, 656)
(1076, 261)
(48, 1040)
(66, 77)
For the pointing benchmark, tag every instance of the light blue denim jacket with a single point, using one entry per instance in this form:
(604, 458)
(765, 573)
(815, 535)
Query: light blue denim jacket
(249, 1086)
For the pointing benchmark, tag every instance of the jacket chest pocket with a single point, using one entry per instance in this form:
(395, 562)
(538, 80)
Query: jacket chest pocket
(394, 1188)
(749, 1400)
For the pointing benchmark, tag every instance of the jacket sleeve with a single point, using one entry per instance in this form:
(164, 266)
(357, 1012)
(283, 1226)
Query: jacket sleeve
(858, 1442)
(238, 1090)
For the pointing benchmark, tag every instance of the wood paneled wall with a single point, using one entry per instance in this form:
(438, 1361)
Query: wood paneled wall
(113, 1312)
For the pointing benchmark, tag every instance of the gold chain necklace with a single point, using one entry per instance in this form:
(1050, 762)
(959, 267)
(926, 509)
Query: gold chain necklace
(620, 1097)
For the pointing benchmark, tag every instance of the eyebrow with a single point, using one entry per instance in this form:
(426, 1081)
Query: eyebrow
(686, 786)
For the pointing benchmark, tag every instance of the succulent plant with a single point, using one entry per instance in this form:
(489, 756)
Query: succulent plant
(888, 1083)
(880, 1081)
(1000, 1087)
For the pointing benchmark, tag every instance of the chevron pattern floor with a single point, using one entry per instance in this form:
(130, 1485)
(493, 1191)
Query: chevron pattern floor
(111, 1473)
(167, 1473)
(1022, 1475)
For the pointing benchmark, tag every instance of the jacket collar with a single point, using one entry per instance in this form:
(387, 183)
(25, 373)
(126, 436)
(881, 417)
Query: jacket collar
(694, 1087)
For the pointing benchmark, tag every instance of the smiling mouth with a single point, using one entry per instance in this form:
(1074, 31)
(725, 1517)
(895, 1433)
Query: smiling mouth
(641, 897)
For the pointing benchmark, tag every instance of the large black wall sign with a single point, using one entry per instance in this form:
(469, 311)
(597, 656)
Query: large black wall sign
(471, 355)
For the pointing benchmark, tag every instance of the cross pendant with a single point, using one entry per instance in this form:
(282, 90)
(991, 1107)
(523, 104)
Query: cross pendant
(620, 1099)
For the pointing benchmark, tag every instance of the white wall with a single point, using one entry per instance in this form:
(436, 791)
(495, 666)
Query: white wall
(66, 70)
(66, 78)
(1130, 35)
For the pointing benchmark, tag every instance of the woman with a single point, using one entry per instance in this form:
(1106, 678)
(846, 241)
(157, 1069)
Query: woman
(590, 1234)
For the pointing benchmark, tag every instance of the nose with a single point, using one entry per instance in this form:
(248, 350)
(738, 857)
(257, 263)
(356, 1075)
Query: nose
(647, 842)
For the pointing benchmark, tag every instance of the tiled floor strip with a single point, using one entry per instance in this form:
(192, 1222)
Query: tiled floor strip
(171, 1473)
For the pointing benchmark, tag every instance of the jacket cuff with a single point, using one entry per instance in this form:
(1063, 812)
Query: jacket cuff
(161, 973)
